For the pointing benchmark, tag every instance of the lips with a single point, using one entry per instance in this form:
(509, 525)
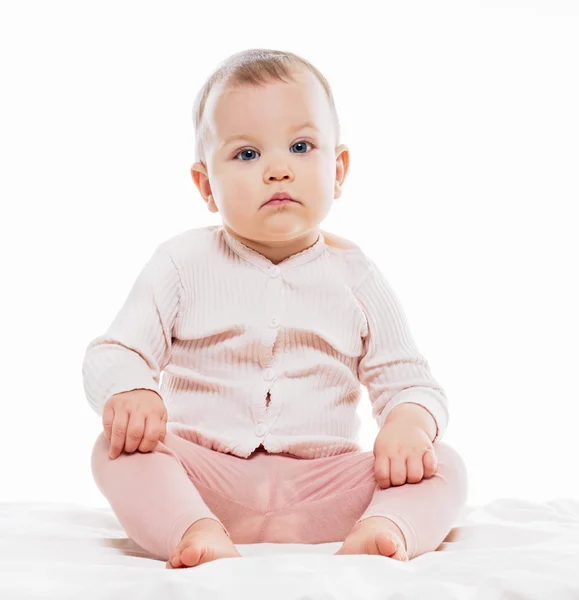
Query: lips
(280, 196)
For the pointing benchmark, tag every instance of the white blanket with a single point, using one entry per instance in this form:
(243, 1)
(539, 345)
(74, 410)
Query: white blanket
(509, 548)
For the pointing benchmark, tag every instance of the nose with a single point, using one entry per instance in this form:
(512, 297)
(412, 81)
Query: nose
(278, 171)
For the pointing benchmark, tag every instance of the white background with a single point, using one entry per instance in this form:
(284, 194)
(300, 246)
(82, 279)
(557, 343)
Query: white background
(462, 123)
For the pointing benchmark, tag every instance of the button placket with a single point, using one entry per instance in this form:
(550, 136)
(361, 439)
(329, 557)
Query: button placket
(272, 317)
(273, 306)
(273, 302)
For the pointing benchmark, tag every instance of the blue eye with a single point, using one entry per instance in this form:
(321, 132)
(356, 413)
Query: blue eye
(301, 142)
(242, 151)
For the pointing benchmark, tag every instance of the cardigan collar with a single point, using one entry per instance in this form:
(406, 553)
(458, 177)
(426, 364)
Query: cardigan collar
(262, 262)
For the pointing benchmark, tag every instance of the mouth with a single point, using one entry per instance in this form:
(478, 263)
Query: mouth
(277, 201)
(280, 198)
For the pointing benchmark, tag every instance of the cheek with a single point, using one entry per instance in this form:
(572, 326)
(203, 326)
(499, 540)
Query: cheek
(323, 163)
(323, 172)
(232, 184)
(238, 196)
(240, 188)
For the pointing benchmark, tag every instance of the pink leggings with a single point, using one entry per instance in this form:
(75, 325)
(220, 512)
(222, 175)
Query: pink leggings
(277, 498)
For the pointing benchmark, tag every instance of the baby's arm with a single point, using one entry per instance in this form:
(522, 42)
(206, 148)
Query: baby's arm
(392, 368)
(137, 345)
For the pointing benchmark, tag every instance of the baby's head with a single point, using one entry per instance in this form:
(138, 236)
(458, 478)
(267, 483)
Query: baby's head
(265, 122)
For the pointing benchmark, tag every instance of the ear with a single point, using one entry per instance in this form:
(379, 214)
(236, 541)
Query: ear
(201, 180)
(342, 166)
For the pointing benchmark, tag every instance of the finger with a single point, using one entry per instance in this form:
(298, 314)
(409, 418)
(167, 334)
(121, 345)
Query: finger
(135, 431)
(415, 468)
(151, 434)
(163, 426)
(118, 432)
(398, 470)
(108, 418)
(382, 472)
(430, 463)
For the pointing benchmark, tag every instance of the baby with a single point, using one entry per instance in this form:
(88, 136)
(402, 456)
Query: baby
(265, 328)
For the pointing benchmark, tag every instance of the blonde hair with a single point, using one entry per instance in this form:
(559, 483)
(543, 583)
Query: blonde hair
(254, 67)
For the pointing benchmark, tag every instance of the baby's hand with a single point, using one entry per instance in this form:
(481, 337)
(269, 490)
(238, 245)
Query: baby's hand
(403, 453)
(133, 420)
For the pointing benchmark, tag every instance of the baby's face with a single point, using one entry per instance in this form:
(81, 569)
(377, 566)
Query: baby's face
(286, 142)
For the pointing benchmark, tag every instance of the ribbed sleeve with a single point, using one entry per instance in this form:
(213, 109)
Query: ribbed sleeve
(135, 349)
(391, 367)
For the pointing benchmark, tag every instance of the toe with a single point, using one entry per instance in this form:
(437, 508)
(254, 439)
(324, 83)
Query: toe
(191, 556)
(174, 562)
(391, 547)
(385, 544)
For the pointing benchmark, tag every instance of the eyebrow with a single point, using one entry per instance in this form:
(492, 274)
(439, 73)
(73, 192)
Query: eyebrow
(246, 136)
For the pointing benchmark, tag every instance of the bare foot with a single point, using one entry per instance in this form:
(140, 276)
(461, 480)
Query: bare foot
(204, 541)
(376, 535)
